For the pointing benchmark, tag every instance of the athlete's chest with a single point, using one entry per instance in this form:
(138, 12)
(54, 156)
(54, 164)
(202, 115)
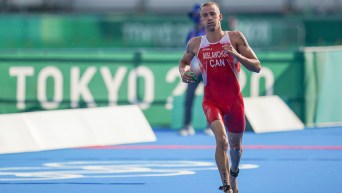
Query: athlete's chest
(214, 58)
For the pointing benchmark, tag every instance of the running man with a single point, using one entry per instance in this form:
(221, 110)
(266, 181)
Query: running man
(220, 54)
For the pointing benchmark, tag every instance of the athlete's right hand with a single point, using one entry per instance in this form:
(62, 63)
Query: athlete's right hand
(189, 77)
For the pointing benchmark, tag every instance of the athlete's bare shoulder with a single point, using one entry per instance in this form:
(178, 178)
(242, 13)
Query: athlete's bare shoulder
(193, 44)
(196, 39)
(234, 33)
(237, 38)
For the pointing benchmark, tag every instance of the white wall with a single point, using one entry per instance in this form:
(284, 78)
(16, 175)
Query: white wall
(46, 130)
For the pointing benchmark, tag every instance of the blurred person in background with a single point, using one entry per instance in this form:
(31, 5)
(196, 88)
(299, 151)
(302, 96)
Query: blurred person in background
(198, 30)
(220, 54)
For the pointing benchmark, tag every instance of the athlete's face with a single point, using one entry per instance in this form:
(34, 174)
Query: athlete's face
(211, 17)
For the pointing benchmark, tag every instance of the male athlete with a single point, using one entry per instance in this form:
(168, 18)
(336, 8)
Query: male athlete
(220, 54)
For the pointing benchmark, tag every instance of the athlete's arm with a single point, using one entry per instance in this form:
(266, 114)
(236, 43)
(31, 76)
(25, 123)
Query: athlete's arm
(243, 52)
(184, 63)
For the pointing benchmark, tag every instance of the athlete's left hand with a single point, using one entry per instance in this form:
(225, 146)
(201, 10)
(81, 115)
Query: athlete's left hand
(230, 49)
(189, 77)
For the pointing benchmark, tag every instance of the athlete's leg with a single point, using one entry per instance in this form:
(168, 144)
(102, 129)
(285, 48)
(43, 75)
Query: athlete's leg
(214, 117)
(235, 123)
(235, 145)
(221, 157)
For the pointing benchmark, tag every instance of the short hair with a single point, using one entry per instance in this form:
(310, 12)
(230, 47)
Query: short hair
(210, 3)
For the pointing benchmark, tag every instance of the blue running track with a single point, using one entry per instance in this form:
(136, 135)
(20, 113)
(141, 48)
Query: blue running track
(308, 161)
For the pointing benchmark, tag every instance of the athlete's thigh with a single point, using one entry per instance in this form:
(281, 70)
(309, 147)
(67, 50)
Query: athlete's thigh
(219, 130)
(211, 111)
(235, 120)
